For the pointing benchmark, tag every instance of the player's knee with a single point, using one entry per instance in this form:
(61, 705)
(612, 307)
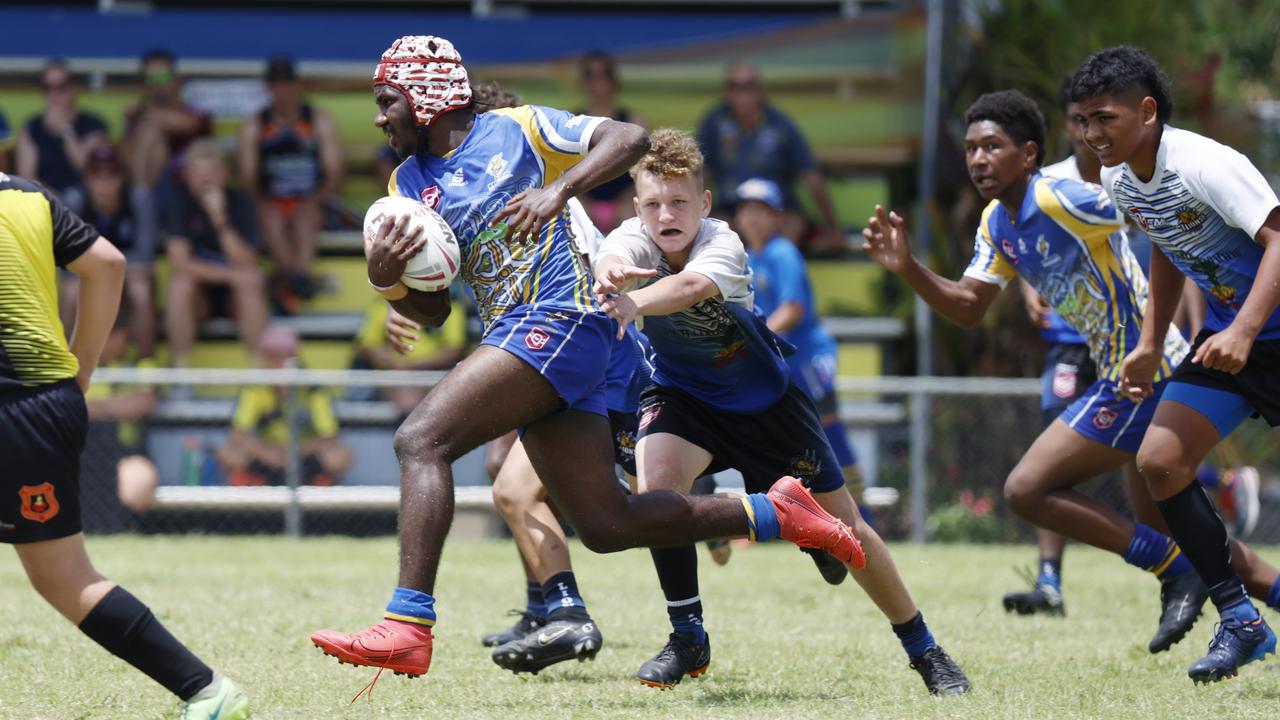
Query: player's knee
(1157, 466)
(601, 537)
(421, 441)
(1020, 492)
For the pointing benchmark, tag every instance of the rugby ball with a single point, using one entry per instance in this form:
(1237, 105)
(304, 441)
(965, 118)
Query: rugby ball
(436, 264)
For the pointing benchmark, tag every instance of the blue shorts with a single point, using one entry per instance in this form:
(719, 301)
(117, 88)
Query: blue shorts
(816, 376)
(1110, 417)
(629, 372)
(570, 348)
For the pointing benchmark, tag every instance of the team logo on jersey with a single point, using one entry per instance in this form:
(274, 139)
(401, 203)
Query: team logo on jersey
(536, 339)
(1105, 418)
(649, 415)
(498, 170)
(458, 179)
(1189, 218)
(1064, 381)
(430, 196)
(1046, 258)
(1007, 247)
(39, 503)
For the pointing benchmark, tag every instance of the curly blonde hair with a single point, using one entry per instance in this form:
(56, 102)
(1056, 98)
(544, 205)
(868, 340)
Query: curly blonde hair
(672, 153)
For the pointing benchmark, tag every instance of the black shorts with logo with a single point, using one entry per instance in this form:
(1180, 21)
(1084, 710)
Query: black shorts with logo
(784, 439)
(42, 433)
(624, 427)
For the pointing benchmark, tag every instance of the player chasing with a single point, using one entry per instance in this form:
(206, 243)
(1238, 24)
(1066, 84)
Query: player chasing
(43, 424)
(1062, 237)
(1214, 219)
(501, 179)
(723, 398)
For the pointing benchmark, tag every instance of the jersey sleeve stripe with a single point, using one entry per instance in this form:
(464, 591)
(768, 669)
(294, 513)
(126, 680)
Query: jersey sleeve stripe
(555, 140)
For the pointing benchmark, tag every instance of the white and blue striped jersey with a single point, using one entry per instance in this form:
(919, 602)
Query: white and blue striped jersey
(1203, 207)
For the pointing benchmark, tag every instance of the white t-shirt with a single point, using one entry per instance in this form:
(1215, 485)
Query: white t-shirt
(1065, 169)
(586, 236)
(717, 253)
(1203, 207)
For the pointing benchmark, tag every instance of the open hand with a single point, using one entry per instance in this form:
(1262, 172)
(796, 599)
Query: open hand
(528, 212)
(401, 332)
(616, 279)
(622, 308)
(886, 240)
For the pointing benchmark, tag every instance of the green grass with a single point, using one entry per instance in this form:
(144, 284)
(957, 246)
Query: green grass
(786, 645)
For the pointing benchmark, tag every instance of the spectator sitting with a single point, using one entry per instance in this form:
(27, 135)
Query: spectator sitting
(389, 341)
(255, 451)
(126, 215)
(55, 144)
(291, 159)
(118, 480)
(608, 203)
(210, 238)
(745, 137)
(161, 126)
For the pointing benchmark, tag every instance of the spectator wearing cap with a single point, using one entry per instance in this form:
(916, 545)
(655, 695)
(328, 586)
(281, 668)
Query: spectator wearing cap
(125, 214)
(608, 203)
(256, 453)
(785, 297)
(291, 160)
(54, 145)
(160, 126)
(745, 137)
(211, 235)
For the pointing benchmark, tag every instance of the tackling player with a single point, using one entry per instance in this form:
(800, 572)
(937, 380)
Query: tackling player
(723, 398)
(501, 180)
(1214, 219)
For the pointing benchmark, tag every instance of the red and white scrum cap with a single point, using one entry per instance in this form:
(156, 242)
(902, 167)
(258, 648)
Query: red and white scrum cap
(428, 72)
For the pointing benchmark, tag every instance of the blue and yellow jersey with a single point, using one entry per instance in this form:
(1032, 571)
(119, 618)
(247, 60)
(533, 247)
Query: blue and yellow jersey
(1067, 242)
(507, 151)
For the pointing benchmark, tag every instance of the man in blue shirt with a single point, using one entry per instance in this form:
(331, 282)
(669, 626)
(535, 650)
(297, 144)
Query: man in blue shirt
(745, 137)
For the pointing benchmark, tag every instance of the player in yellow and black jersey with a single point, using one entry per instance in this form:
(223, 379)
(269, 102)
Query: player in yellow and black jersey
(43, 422)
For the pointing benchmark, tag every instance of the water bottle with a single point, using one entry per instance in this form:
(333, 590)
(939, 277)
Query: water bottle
(191, 460)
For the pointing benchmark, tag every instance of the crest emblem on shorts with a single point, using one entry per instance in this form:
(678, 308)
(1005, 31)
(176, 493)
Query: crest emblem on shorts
(536, 339)
(431, 196)
(1105, 418)
(39, 503)
(649, 415)
(1064, 381)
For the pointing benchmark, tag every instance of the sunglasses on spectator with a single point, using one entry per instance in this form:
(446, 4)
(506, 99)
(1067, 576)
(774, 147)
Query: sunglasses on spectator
(58, 86)
(743, 85)
(157, 77)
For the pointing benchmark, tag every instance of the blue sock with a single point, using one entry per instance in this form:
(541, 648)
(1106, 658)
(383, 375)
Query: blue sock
(1273, 595)
(413, 606)
(1208, 476)
(686, 617)
(762, 519)
(915, 636)
(1050, 572)
(839, 441)
(1155, 553)
(560, 594)
(533, 601)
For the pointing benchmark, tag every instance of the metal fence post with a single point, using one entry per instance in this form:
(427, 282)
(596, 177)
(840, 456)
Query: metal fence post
(919, 480)
(292, 463)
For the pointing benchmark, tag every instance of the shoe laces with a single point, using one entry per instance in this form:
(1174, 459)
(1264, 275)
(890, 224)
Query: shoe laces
(380, 631)
(939, 667)
(675, 648)
(1225, 637)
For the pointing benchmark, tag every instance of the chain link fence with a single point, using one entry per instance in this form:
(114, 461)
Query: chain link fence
(933, 454)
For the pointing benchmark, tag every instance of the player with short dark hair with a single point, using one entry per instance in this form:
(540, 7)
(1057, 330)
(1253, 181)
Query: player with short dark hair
(1214, 219)
(723, 398)
(43, 423)
(501, 179)
(1062, 236)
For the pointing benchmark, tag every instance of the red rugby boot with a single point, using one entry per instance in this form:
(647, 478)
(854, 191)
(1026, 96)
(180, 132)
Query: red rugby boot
(803, 521)
(402, 647)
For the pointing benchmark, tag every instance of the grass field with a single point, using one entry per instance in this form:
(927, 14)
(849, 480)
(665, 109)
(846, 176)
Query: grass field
(785, 644)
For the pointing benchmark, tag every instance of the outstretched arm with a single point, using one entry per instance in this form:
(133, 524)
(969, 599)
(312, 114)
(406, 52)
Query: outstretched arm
(963, 302)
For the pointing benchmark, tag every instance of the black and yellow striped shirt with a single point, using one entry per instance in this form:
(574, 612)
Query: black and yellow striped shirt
(37, 232)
